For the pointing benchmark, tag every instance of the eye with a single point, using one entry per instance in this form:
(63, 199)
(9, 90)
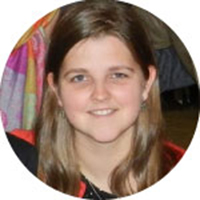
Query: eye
(79, 78)
(119, 75)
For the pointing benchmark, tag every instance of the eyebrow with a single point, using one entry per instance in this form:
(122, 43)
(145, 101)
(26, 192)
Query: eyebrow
(115, 68)
(76, 71)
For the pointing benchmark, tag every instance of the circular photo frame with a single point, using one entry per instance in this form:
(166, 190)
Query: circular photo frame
(66, 99)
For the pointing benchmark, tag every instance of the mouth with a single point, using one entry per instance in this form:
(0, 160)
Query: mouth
(102, 112)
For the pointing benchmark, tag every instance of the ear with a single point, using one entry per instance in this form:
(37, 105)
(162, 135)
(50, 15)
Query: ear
(149, 82)
(54, 87)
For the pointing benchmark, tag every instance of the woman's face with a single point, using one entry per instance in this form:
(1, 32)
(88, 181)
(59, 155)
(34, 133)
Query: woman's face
(101, 88)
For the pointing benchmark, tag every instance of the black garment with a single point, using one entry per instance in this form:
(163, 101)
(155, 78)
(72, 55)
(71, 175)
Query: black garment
(26, 152)
(93, 192)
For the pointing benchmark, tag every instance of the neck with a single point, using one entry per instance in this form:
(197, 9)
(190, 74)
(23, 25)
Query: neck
(98, 160)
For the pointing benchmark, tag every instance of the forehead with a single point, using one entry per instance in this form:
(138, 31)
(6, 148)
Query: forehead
(104, 50)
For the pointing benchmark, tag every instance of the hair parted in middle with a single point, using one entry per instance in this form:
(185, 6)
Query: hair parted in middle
(58, 166)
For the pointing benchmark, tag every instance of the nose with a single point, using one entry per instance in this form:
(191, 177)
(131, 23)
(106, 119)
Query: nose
(100, 92)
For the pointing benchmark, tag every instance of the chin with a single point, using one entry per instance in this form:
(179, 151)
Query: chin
(105, 138)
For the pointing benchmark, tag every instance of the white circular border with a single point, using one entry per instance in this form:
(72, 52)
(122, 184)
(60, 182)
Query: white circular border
(16, 182)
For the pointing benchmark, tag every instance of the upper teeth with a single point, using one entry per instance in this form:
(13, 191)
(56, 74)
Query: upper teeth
(102, 112)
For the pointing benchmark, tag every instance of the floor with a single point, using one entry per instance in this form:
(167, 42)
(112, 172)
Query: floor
(180, 125)
(180, 120)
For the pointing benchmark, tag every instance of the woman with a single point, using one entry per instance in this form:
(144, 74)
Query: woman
(99, 131)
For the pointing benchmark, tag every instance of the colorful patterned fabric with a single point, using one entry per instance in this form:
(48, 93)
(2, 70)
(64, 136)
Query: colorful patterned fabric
(22, 82)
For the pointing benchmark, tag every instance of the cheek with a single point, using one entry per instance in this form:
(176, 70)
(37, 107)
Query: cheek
(72, 101)
(130, 102)
(130, 95)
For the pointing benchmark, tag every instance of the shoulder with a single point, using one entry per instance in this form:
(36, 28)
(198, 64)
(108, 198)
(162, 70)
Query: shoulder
(172, 154)
(25, 151)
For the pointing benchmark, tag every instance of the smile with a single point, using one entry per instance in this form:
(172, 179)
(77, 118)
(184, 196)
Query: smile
(103, 112)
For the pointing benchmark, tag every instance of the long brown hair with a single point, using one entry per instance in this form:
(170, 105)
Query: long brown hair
(57, 158)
